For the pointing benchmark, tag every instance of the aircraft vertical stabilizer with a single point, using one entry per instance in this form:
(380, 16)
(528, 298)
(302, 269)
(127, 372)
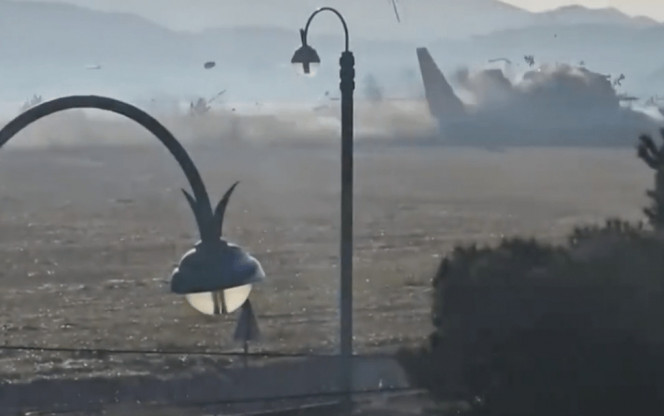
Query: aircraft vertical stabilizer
(443, 102)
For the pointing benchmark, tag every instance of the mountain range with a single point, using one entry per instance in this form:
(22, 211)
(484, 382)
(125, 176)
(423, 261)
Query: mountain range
(42, 41)
(374, 19)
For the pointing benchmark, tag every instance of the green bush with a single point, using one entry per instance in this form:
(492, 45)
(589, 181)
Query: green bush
(531, 329)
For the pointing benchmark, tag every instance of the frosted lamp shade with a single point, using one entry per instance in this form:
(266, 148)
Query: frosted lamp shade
(215, 269)
(307, 69)
(233, 298)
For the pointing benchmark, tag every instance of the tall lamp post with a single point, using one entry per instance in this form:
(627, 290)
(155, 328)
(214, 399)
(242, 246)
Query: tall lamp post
(306, 61)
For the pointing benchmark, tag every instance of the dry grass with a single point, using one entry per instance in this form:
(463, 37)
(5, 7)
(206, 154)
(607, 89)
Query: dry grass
(89, 237)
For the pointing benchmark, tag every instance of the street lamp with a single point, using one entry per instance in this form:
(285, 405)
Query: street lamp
(215, 276)
(307, 58)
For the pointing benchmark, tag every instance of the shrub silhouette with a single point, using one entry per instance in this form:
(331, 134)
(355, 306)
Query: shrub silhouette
(538, 330)
(527, 328)
(653, 156)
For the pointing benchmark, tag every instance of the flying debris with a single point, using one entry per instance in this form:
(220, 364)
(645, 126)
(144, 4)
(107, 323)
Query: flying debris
(555, 104)
(618, 81)
(217, 95)
(326, 102)
(530, 60)
(329, 97)
(198, 108)
(202, 105)
(209, 65)
(396, 10)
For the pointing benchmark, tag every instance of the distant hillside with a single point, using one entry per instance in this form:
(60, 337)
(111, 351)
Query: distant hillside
(49, 44)
(420, 19)
(574, 15)
(48, 32)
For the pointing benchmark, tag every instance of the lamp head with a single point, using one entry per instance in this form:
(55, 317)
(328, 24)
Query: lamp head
(305, 60)
(214, 267)
(213, 275)
(215, 271)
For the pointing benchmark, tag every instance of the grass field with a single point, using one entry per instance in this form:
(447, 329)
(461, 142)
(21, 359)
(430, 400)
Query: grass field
(89, 236)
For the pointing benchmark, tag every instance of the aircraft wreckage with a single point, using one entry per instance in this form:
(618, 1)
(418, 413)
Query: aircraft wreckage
(549, 105)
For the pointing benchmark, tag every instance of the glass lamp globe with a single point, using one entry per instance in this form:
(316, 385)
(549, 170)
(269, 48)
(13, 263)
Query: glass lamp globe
(209, 302)
(307, 69)
(305, 60)
(218, 279)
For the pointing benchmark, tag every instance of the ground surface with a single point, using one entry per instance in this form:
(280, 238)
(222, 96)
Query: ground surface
(89, 236)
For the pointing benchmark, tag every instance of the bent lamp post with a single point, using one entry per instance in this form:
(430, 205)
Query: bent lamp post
(216, 276)
(308, 60)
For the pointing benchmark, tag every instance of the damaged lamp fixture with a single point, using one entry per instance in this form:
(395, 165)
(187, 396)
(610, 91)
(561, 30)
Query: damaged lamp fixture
(215, 276)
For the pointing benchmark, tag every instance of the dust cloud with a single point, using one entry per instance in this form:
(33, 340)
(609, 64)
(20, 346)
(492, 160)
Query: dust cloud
(550, 86)
(306, 125)
(554, 104)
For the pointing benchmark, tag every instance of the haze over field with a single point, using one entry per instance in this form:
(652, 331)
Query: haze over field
(47, 46)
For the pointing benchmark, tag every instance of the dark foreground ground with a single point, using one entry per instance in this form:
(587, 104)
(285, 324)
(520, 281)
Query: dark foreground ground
(89, 236)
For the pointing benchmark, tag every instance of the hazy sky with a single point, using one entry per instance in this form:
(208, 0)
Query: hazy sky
(196, 14)
(650, 8)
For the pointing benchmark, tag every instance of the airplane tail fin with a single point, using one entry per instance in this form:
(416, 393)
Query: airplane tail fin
(443, 102)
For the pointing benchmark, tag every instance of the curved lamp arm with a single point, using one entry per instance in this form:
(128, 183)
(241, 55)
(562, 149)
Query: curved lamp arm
(305, 31)
(200, 202)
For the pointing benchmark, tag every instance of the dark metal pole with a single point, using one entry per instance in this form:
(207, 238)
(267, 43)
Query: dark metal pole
(347, 86)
